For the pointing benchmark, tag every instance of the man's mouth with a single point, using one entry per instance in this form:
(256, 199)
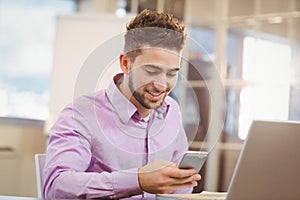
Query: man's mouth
(154, 96)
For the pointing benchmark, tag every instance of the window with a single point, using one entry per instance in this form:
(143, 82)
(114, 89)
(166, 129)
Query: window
(27, 30)
(294, 113)
(269, 97)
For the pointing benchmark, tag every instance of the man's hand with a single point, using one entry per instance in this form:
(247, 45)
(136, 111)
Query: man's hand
(161, 177)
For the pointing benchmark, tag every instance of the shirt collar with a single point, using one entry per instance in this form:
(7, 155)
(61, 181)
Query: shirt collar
(124, 108)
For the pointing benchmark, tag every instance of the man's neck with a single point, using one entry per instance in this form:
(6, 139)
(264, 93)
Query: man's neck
(144, 112)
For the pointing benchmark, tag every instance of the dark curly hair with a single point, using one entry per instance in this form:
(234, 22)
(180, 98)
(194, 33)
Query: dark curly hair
(153, 29)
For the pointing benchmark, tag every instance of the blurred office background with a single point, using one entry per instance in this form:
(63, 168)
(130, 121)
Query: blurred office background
(253, 44)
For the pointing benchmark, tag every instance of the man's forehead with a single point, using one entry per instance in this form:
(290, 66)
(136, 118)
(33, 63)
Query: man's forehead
(164, 59)
(159, 49)
(159, 56)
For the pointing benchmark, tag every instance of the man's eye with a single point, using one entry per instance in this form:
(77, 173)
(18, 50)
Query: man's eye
(151, 72)
(172, 74)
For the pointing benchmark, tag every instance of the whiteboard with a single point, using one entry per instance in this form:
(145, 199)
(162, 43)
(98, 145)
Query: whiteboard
(86, 52)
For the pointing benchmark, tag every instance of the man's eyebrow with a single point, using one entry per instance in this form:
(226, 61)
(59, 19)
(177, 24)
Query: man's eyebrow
(152, 66)
(174, 69)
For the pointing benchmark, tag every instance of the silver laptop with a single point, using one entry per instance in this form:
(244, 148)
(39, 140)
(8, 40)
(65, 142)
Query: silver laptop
(268, 167)
(269, 163)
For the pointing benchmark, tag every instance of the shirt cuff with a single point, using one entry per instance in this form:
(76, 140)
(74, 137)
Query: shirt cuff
(126, 183)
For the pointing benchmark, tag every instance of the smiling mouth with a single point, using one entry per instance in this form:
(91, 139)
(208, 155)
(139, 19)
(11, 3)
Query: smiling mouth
(154, 96)
(154, 93)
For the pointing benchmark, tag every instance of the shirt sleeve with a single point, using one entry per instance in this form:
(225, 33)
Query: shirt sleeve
(68, 158)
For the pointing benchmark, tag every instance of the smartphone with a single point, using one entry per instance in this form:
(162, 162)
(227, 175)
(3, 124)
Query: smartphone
(193, 159)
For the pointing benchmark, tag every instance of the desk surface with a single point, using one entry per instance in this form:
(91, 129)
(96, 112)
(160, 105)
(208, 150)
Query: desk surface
(17, 198)
(198, 196)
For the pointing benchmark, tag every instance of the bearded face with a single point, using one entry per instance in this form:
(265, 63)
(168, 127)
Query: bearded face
(149, 96)
(152, 76)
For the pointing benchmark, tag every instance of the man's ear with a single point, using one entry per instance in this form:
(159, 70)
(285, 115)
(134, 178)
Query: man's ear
(124, 63)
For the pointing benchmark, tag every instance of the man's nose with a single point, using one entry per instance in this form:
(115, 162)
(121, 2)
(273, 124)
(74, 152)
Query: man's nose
(160, 83)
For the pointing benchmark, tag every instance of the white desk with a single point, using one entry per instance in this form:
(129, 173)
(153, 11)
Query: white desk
(196, 196)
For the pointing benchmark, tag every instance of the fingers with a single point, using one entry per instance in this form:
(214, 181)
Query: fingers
(194, 177)
(190, 179)
(185, 185)
(165, 177)
(181, 173)
(181, 179)
(171, 188)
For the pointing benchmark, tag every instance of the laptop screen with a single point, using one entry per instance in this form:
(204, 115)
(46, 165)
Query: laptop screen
(269, 163)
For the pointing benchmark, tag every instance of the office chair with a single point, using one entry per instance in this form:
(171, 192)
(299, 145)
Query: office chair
(39, 167)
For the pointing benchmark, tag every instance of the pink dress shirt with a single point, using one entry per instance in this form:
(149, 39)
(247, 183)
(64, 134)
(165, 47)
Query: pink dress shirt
(98, 143)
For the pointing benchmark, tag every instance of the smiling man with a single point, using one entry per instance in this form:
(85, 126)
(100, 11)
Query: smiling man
(150, 78)
(126, 141)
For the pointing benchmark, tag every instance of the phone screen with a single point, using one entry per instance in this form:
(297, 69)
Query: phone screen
(193, 159)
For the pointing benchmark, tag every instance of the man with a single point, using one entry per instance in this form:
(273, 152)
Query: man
(127, 140)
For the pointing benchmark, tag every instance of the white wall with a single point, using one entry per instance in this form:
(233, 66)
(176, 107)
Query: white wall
(86, 53)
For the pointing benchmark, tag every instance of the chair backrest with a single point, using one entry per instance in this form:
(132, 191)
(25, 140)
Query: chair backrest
(39, 167)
